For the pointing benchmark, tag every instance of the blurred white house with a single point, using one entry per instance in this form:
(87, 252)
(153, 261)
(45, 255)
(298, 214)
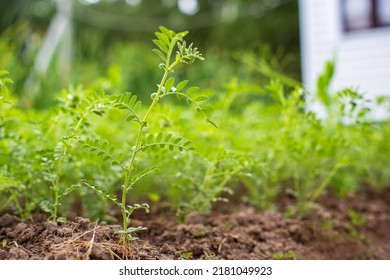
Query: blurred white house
(354, 32)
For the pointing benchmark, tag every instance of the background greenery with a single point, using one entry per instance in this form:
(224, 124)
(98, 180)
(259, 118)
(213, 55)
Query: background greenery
(112, 36)
(267, 145)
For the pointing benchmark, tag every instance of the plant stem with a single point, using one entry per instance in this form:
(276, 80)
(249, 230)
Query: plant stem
(56, 187)
(324, 184)
(143, 124)
(156, 98)
(128, 169)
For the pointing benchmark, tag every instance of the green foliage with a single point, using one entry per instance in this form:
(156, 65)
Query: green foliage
(4, 244)
(75, 109)
(3, 84)
(357, 220)
(160, 140)
(5, 100)
(323, 83)
(127, 147)
(129, 102)
(10, 182)
(186, 255)
(107, 153)
(167, 41)
(284, 256)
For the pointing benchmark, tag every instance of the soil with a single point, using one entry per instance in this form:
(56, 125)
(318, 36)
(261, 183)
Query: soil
(355, 228)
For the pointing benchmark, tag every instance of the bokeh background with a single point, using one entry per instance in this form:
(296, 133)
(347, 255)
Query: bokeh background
(48, 44)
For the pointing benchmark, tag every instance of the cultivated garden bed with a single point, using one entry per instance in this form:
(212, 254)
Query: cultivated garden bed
(249, 173)
(355, 228)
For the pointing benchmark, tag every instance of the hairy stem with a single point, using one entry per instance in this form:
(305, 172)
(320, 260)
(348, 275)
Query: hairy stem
(137, 145)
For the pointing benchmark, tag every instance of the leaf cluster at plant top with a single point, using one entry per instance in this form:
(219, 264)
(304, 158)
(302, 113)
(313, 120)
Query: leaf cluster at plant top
(112, 145)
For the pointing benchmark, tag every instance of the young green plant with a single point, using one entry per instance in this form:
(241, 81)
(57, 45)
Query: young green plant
(167, 42)
(74, 112)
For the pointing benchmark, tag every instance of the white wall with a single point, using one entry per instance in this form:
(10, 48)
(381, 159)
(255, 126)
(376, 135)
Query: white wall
(362, 57)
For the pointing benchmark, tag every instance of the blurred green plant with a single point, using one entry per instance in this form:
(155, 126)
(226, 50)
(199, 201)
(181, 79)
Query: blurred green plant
(284, 256)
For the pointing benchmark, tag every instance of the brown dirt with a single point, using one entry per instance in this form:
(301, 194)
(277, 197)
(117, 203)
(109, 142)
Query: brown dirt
(327, 233)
